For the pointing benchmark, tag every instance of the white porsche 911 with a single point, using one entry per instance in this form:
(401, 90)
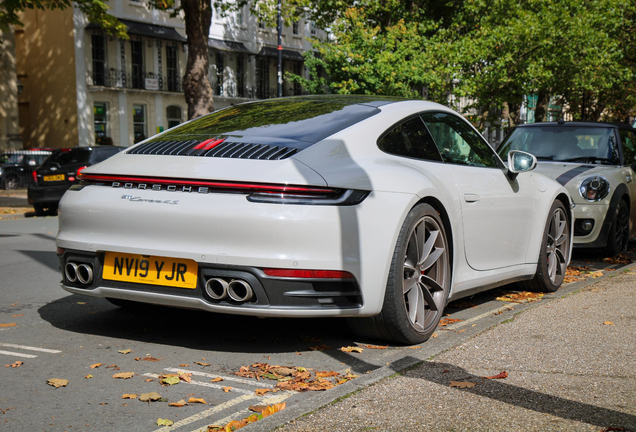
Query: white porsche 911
(376, 209)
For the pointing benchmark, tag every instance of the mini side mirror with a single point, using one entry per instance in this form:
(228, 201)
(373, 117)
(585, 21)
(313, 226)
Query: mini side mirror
(520, 161)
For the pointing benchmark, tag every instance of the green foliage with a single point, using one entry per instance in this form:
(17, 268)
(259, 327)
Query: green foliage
(492, 53)
(95, 10)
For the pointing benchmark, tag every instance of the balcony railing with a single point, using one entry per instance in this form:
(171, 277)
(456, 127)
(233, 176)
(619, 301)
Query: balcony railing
(116, 78)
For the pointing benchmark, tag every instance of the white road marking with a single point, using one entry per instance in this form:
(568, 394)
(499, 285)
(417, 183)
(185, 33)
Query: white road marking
(207, 413)
(245, 413)
(18, 354)
(478, 317)
(30, 348)
(258, 384)
(206, 384)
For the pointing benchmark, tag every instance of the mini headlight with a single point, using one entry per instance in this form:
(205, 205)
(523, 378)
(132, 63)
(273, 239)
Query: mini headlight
(594, 188)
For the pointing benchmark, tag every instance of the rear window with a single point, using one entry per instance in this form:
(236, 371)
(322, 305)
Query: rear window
(103, 154)
(75, 156)
(298, 119)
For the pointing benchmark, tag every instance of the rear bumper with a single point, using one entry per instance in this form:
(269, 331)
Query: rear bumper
(45, 195)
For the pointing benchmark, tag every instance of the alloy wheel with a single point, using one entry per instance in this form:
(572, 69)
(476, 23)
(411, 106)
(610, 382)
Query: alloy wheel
(425, 274)
(557, 246)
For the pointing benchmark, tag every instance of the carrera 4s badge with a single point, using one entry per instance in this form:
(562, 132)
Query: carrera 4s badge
(140, 199)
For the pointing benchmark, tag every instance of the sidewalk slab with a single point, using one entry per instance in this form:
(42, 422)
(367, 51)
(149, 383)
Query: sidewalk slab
(571, 366)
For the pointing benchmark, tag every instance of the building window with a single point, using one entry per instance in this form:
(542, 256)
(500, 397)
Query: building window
(295, 28)
(312, 28)
(240, 16)
(139, 123)
(240, 75)
(262, 78)
(100, 115)
(172, 67)
(137, 61)
(261, 24)
(220, 67)
(99, 59)
(174, 116)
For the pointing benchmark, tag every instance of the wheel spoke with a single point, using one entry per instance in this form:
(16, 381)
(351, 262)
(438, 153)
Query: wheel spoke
(414, 304)
(428, 246)
(431, 259)
(409, 283)
(552, 263)
(428, 297)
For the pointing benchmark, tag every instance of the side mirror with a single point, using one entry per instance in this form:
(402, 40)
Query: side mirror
(520, 161)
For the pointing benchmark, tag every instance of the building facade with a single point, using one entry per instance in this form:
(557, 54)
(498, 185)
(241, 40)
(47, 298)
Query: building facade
(84, 87)
(9, 88)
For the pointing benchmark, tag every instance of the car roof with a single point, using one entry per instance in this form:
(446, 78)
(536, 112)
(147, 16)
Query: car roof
(578, 124)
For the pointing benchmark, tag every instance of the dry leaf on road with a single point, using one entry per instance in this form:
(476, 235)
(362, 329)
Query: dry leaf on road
(15, 364)
(126, 351)
(462, 384)
(164, 422)
(124, 375)
(179, 404)
(351, 349)
(608, 323)
(148, 358)
(257, 408)
(227, 389)
(500, 375)
(376, 346)
(217, 379)
(446, 321)
(202, 364)
(147, 397)
(129, 396)
(261, 392)
(7, 324)
(96, 365)
(57, 382)
(197, 400)
(89, 376)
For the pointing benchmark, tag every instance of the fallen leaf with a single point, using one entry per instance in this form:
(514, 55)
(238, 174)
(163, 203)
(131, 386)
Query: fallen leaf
(179, 404)
(608, 323)
(227, 389)
(114, 366)
(15, 364)
(57, 382)
(7, 324)
(185, 377)
(129, 396)
(461, 331)
(434, 335)
(376, 346)
(124, 375)
(147, 397)
(272, 409)
(521, 297)
(351, 349)
(81, 302)
(164, 422)
(89, 376)
(462, 384)
(170, 379)
(184, 365)
(326, 374)
(501, 375)
(103, 403)
(126, 351)
(446, 321)
(321, 347)
(414, 347)
(283, 371)
(17, 315)
(148, 358)
(202, 364)
(149, 379)
(217, 379)
(197, 400)
(257, 408)
(261, 392)
(96, 365)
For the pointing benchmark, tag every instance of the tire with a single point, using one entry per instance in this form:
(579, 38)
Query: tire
(418, 283)
(10, 183)
(555, 247)
(39, 210)
(618, 236)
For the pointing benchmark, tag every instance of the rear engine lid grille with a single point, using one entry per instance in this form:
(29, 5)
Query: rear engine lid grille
(215, 148)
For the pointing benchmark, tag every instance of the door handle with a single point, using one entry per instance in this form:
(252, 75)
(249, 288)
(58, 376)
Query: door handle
(471, 197)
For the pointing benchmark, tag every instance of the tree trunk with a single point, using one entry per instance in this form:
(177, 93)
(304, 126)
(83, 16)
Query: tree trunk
(196, 85)
(541, 111)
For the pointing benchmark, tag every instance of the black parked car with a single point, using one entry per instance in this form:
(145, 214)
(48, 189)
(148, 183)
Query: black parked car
(17, 166)
(59, 172)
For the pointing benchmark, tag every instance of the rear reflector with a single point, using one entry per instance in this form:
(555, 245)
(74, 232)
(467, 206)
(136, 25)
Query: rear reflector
(308, 274)
(60, 251)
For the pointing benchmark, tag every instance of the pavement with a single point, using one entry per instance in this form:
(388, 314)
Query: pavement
(570, 363)
(14, 205)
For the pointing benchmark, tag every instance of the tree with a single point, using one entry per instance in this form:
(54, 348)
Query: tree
(95, 10)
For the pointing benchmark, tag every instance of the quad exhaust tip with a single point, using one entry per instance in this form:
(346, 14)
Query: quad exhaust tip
(82, 273)
(237, 289)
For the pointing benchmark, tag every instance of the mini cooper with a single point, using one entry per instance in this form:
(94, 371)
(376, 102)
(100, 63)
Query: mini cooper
(595, 162)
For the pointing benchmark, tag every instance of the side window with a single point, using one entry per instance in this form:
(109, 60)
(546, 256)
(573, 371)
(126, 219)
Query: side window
(410, 139)
(629, 145)
(459, 143)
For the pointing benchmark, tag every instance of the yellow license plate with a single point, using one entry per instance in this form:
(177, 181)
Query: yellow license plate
(56, 177)
(146, 269)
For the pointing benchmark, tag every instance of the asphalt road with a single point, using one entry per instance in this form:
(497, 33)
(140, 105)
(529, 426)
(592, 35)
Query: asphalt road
(59, 335)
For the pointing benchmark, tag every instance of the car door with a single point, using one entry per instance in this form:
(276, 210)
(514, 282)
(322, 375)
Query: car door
(497, 212)
(628, 139)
